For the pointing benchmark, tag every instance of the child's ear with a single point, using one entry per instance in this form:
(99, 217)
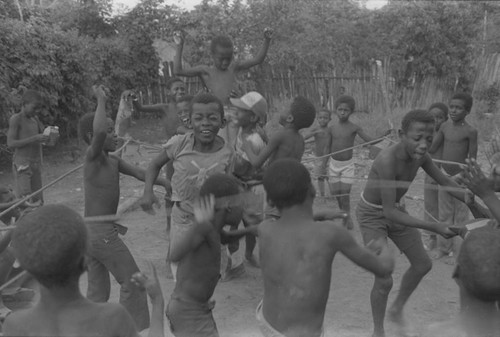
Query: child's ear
(289, 119)
(223, 123)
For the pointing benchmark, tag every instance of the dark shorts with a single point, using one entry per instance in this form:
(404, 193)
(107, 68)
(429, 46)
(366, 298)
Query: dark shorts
(188, 318)
(375, 225)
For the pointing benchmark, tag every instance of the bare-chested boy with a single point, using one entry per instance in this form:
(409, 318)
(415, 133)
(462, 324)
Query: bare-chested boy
(50, 243)
(296, 255)
(322, 143)
(458, 140)
(199, 256)
(285, 143)
(168, 111)
(26, 137)
(220, 77)
(341, 166)
(431, 197)
(107, 252)
(381, 214)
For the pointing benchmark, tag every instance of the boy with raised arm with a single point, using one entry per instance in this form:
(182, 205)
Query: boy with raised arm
(101, 178)
(297, 276)
(341, 166)
(285, 143)
(381, 215)
(51, 243)
(431, 196)
(168, 111)
(220, 78)
(199, 256)
(458, 140)
(26, 137)
(322, 143)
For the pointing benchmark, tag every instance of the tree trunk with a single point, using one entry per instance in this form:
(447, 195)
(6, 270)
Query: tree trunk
(18, 5)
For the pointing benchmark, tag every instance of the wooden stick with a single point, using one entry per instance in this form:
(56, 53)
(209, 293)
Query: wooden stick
(102, 218)
(440, 161)
(20, 202)
(12, 280)
(7, 228)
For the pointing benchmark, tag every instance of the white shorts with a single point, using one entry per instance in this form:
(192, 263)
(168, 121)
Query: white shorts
(341, 171)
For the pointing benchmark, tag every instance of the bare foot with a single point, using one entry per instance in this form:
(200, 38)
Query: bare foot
(404, 330)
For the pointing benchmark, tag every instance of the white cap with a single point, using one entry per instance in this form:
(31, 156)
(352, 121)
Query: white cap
(252, 101)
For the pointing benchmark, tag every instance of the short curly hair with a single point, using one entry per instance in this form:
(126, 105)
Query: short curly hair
(207, 98)
(349, 100)
(222, 41)
(50, 243)
(478, 264)
(416, 116)
(303, 112)
(220, 185)
(287, 183)
(466, 98)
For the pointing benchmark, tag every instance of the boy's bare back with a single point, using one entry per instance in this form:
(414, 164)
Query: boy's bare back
(79, 317)
(296, 272)
(289, 144)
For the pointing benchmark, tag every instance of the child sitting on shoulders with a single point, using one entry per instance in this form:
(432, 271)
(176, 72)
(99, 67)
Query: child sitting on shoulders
(285, 143)
(322, 143)
(199, 256)
(341, 167)
(297, 276)
(51, 243)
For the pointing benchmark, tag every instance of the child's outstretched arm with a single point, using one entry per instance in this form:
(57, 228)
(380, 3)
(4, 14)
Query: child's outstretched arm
(230, 236)
(386, 172)
(473, 144)
(259, 58)
(154, 108)
(153, 288)
(100, 124)
(362, 134)
(178, 70)
(140, 174)
(258, 160)
(381, 263)
(148, 198)
(204, 211)
(328, 215)
(481, 186)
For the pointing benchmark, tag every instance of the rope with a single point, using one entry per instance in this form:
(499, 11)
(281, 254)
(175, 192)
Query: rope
(21, 201)
(347, 149)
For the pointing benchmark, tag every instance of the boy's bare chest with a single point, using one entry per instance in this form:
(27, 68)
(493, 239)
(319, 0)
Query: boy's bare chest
(456, 134)
(343, 132)
(103, 173)
(29, 127)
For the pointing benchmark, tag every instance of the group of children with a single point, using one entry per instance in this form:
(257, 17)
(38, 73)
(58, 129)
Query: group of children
(214, 167)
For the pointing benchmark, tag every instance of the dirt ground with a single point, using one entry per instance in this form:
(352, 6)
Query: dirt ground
(348, 310)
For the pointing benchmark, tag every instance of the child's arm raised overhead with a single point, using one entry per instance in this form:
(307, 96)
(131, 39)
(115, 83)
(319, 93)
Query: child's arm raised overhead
(178, 71)
(258, 160)
(438, 140)
(381, 265)
(204, 215)
(259, 58)
(100, 124)
(387, 175)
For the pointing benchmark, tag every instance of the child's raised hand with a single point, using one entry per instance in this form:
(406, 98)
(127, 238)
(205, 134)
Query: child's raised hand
(100, 91)
(150, 284)
(178, 38)
(475, 180)
(204, 209)
(268, 33)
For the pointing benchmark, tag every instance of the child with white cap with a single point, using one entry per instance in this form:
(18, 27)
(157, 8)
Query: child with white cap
(251, 109)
